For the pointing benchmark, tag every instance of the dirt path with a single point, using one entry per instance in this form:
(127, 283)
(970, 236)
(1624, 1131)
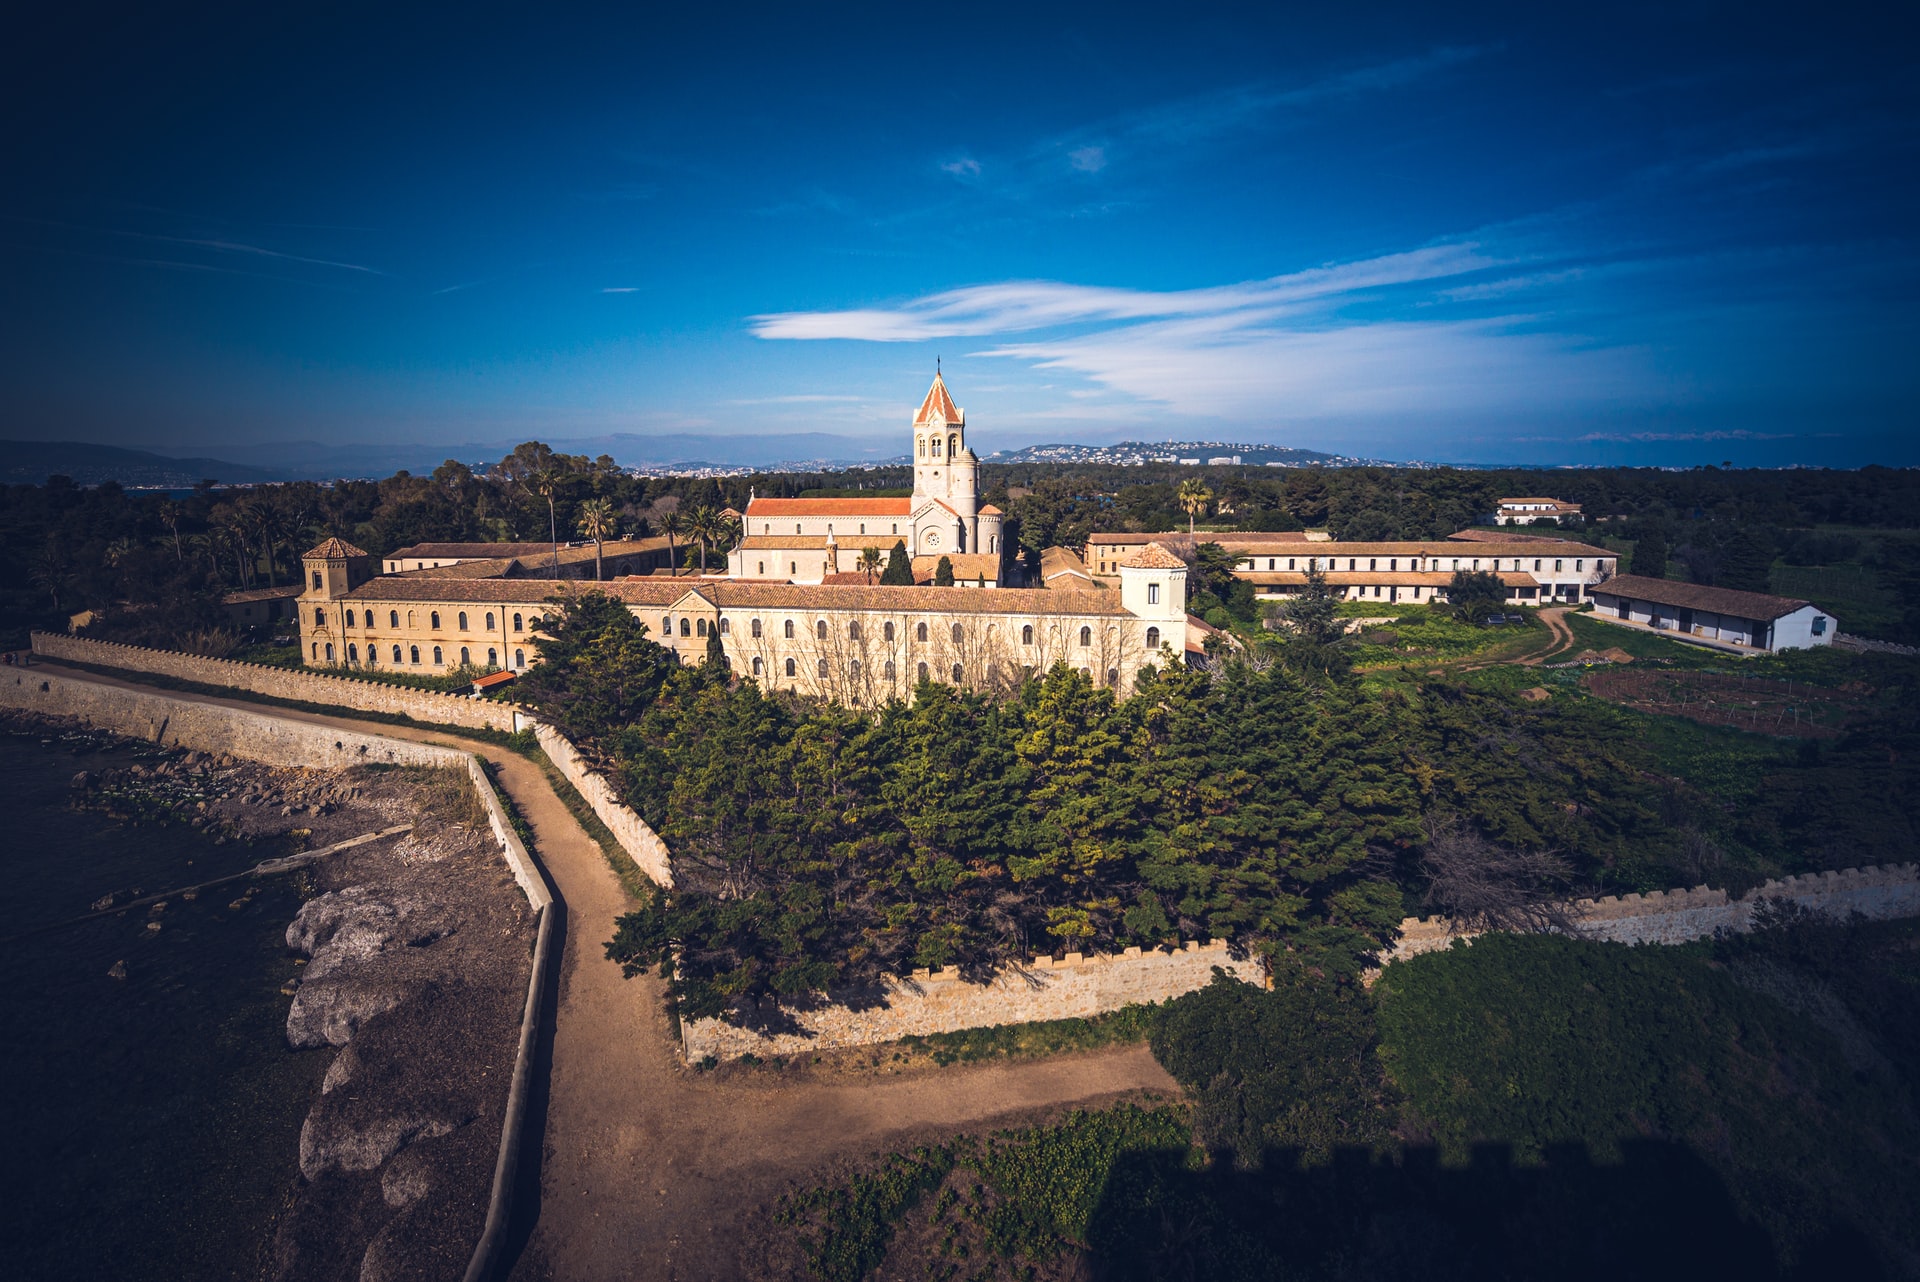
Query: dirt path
(652, 1170)
(1559, 640)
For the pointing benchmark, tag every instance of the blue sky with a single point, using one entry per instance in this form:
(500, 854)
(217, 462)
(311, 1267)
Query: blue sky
(1674, 235)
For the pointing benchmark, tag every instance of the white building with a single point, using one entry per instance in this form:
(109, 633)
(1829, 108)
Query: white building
(1520, 511)
(943, 517)
(1724, 618)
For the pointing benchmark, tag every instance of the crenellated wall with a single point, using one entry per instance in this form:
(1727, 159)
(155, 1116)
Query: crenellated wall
(942, 1002)
(428, 706)
(1675, 916)
(640, 842)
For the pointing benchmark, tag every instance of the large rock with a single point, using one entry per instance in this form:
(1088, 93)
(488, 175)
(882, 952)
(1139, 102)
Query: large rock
(349, 1141)
(330, 1011)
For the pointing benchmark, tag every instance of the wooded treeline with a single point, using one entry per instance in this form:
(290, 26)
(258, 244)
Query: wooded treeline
(1270, 801)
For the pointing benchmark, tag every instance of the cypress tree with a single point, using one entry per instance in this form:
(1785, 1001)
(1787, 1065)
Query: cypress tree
(943, 573)
(899, 569)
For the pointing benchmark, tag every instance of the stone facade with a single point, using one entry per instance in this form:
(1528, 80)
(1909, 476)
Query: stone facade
(640, 842)
(427, 706)
(943, 1002)
(1676, 916)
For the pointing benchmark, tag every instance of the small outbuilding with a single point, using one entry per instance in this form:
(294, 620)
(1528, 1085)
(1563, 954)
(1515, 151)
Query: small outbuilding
(1723, 618)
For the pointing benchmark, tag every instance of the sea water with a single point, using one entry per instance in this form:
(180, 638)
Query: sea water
(152, 1121)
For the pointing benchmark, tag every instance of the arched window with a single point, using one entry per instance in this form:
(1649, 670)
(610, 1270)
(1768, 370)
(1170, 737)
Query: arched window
(853, 669)
(789, 667)
(686, 626)
(409, 618)
(666, 626)
(959, 674)
(516, 623)
(853, 630)
(789, 627)
(823, 667)
(353, 653)
(1086, 637)
(349, 618)
(889, 669)
(756, 667)
(1113, 676)
(820, 629)
(463, 620)
(320, 618)
(1153, 639)
(958, 635)
(519, 658)
(396, 654)
(725, 629)
(316, 580)
(700, 628)
(329, 652)
(886, 631)
(436, 656)
(755, 629)
(413, 653)
(1026, 634)
(920, 634)
(466, 660)
(489, 620)
(434, 620)
(493, 657)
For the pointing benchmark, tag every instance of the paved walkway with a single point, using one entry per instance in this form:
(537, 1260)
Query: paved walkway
(652, 1170)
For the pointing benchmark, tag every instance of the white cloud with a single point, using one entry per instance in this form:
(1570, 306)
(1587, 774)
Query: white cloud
(1088, 160)
(964, 167)
(1015, 306)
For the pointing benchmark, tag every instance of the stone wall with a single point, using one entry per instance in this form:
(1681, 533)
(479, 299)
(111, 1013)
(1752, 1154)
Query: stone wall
(427, 706)
(640, 842)
(1676, 916)
(942, 1002)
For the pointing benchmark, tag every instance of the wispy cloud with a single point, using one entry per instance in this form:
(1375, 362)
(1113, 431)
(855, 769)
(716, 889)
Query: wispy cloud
(621, 289)
(963, 167)
(1016, 306)
(1641, 438)
(1088, 160)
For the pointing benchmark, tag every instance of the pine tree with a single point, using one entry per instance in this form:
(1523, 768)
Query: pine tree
(1650, 557)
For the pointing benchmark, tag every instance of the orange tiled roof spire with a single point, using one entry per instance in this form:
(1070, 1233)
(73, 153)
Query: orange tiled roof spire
(939, 404)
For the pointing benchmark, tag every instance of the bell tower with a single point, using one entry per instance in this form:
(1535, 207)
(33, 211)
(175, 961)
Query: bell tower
(943, 467)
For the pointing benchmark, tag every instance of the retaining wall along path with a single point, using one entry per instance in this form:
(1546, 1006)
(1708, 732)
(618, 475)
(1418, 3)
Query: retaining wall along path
(429, 706)
(640, 842)
(942, 1002)
(1880, 893)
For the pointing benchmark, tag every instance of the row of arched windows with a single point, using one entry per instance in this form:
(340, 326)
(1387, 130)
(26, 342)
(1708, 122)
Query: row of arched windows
(433, 619)
(412, 655)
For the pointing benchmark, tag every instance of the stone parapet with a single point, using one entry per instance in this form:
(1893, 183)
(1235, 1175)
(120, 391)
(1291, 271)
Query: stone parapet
(640, 842)
(943, 1002)
(1879, 892)
(430, 707)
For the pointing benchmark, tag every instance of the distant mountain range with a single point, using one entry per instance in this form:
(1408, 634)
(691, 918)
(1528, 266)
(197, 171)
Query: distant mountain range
(32, 462)
(1134, 453)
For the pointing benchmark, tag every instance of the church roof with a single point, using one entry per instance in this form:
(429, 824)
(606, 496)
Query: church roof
(938, 404)
(1153, 557)
(335, 549)
(829, 507)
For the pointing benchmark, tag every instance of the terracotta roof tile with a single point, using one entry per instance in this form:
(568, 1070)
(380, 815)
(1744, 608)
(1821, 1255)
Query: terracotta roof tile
(1153, 557)
(735, 594)
(775, 508)
(1759, 606)
(938, 402)
(335, 548)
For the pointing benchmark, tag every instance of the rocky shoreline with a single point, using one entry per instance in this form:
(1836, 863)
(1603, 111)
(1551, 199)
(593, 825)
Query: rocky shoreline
(418, 952)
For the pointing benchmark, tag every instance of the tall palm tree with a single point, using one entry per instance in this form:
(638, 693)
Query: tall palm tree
(1194, 497)
(596, 523)
(672, 524)
(703, 526)
(170, 514)
(870, 562)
